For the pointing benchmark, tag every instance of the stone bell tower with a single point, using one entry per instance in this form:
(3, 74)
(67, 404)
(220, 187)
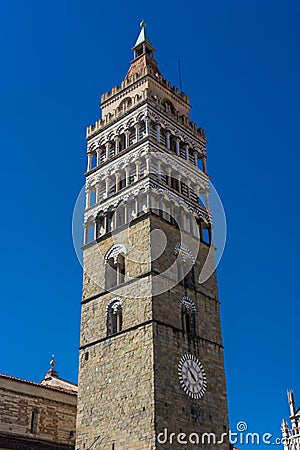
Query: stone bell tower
(151, 354)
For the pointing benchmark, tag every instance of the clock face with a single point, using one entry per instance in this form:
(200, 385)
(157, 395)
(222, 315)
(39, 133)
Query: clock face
(192, 376)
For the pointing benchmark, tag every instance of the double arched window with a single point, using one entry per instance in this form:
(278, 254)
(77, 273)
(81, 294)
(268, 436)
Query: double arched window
(114, 316)
(188, 315)
(115, 266)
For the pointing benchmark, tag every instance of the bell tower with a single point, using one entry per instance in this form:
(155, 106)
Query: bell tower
(151, 370)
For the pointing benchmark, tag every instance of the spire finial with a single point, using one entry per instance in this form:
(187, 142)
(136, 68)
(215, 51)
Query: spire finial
(143, 38)
(52, 371)
(52, 362)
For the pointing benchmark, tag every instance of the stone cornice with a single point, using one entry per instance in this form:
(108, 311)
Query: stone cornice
(147, 146)
(146, 324)
(145, 184)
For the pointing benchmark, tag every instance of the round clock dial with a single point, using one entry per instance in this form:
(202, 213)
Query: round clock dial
(192, 376)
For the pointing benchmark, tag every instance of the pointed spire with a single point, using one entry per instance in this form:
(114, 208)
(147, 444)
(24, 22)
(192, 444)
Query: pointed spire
(291, 400)
(143, 44)
(143, 36)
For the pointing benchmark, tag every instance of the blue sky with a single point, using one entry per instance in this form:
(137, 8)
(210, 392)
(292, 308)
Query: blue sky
(240, 66)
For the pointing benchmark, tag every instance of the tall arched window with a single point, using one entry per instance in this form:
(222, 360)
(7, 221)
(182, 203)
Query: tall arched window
(114, 316)
(115, 267)
(185, 265)
(189, 279)
(188, 315)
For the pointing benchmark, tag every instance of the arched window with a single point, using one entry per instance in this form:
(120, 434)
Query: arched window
(115, 266)
(185, 265)
(114, 316)
(189, 274)
(188, 312)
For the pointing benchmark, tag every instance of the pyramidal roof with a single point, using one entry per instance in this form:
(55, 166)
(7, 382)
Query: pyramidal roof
(143, 36)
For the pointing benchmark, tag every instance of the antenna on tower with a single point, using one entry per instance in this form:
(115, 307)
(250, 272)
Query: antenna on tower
(179, 73)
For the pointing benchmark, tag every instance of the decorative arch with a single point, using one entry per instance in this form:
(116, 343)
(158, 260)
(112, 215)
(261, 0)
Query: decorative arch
(169, 106)
(188, 303)
(120, 130)
(115, 251)
(114, 304)
(129, 123)
(140, 116)
(125, 103)
(185, 253)
(110, 135)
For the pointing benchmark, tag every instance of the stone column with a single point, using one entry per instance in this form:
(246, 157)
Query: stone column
(204, 163)
(106, 187)
(172, 211)
(179, 182)
(147, 124)
(117, 175)
(159, 170)
(107, 148)
(119, 281)
(90, 162)
(136, 205)
(195, 153)
(127, 171)
(177, 146)
(98, 188)
(86, 234)
(148, 200)
(87, 198)
(158, 132)
(137, 170)
(169, 171)
(206, 196)
(147, 164)
(127, 135)
(117, 144)
(98, 155)
(137, 129)
(168, 142)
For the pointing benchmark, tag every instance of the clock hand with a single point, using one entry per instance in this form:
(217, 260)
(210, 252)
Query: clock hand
(192, 375)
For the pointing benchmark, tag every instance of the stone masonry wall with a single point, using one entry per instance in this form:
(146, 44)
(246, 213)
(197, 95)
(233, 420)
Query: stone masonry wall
(56, 411)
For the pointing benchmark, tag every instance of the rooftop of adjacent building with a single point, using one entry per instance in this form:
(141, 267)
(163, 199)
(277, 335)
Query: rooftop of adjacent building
(51, 380)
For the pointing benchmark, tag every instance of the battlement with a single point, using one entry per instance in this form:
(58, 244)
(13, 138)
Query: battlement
(153, 99)
(143, 72)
